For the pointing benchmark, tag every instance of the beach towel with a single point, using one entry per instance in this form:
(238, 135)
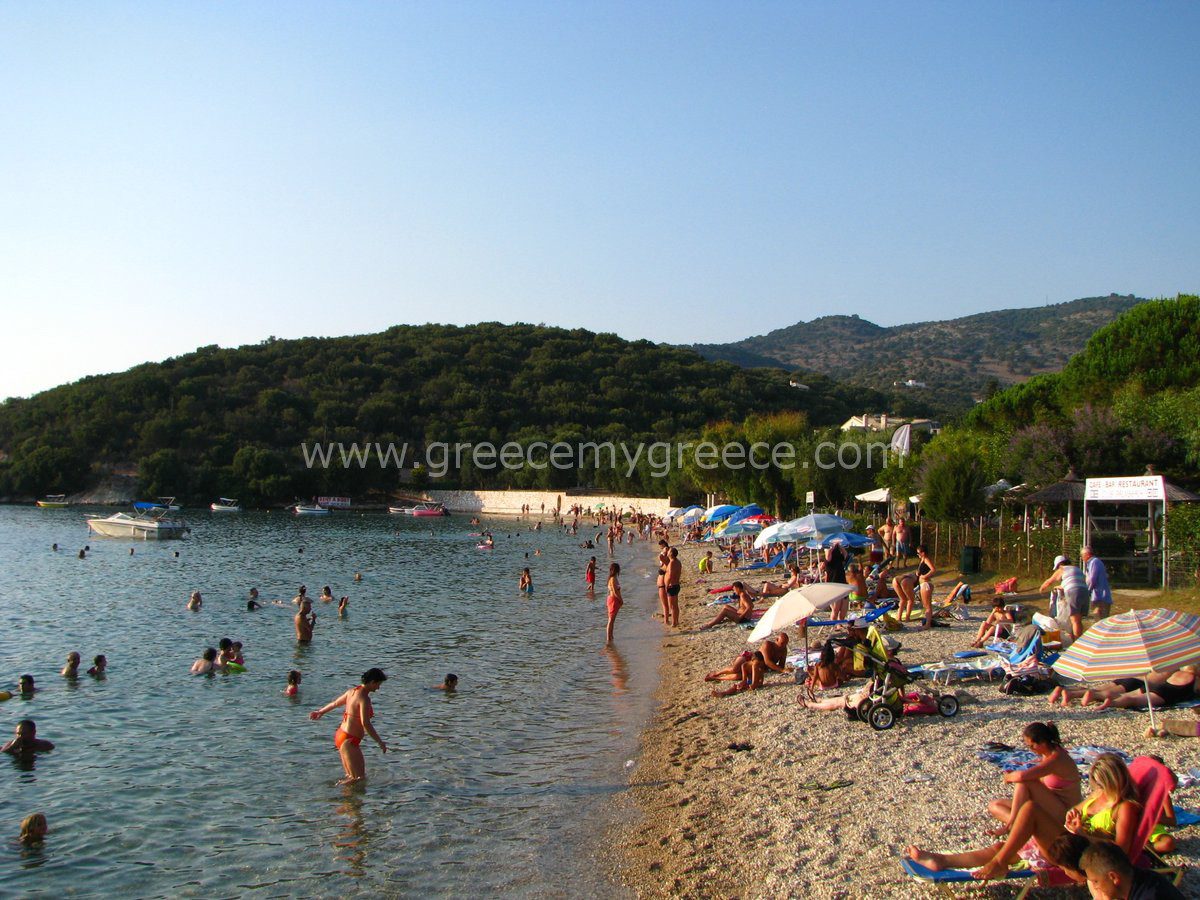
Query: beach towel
(1019, 760)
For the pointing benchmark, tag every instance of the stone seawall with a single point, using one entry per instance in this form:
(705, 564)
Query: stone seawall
(510, 502)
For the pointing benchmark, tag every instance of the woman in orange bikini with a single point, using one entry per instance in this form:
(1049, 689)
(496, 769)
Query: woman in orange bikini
(356, 722)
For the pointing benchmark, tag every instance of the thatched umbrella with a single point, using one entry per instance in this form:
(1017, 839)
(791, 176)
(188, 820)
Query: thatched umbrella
(1067, 491)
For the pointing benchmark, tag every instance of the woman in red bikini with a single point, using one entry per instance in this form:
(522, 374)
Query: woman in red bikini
(356, 722)
(615, 601)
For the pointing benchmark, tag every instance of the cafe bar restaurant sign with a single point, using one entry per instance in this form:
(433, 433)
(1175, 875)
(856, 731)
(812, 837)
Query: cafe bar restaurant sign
(1142, 487)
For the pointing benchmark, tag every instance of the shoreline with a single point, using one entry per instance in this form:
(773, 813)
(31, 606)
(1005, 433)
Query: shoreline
(713, 822)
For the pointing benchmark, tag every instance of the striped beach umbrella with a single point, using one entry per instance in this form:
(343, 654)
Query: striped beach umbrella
(1131, 644)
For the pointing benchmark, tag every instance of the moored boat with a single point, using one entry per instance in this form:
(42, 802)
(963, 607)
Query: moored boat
(226, 504)
(53, 501)
(302, 509)
(147, 525)
(420, 509)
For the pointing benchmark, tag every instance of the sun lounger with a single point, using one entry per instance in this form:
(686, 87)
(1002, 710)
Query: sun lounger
(778, 560)
(870, 616)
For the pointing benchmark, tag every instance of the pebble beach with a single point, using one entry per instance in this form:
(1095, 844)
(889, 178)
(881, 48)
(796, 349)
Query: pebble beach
(822, 806)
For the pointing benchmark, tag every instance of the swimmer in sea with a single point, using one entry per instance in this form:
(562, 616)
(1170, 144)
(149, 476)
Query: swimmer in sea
(293, 683)
(356, 723)
(343, 606)
(301, 596)
(526, 582)
(195, 601)
(25, 686)
(71, 669)
(305, 620)
(99, 666)
(207, 662)
(358, 576)
(252, 603)
(33, 829)
(326, 595)
(450, 684)
(26, 742)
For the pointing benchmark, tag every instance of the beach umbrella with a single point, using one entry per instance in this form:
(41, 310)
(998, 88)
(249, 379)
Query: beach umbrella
(840, 537)
(769, 535)
(736, 528)
(812, 526)
(879, 495)
(752, 509)
(691, 516)
(720, 513)
(1131, 644)
(796, 605)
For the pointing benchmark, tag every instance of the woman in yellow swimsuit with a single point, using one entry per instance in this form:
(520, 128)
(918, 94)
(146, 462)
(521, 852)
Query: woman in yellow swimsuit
(1112, 810)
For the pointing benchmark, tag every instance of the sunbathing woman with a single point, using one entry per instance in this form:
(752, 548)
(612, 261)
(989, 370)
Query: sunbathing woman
(823, 674)
(1112, 810)
(998, 618)
(1052, 783)
(1130, 693)
(856, 579)
(749, 675)
(738, 614)
(779, 588)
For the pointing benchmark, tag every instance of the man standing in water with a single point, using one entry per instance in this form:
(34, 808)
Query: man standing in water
(671, 580)
(356, 722)
(305, 620)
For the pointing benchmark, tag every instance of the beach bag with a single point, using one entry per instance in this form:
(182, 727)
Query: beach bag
(1026, 686)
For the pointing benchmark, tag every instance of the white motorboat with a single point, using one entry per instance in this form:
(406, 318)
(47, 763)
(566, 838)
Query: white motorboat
(53, 501)
(226, 504)
(316, 509)
(419, 509)
(149, 525)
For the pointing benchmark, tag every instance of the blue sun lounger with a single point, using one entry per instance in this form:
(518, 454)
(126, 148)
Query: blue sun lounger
(779, 559)
(870, 616)
(943, 879)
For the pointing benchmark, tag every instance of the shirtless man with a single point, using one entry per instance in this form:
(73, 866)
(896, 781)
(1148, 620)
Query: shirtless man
(305, 620)
(26, 742)
(671, 579)
(356, 722)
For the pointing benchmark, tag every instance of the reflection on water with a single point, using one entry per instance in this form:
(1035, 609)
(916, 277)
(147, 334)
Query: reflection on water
(165, 784)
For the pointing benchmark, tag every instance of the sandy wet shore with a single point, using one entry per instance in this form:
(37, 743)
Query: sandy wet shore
(715, 822)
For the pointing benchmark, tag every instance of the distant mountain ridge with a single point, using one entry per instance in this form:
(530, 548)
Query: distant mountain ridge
(956, 358)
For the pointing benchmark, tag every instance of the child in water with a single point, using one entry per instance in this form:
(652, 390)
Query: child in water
(293, 684)
(449, 685)
(33, 829)
(99, 664)
(526, 582)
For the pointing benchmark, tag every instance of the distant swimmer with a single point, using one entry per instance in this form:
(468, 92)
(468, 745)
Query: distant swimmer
(71, 669)
(99, 666)
(356, 723)
(358, 576)
(326, 595)
(207, 663)
(33, 829)
(26, 742)
(25, 686)
(252, 601)
(449, 684)
(301, 595)
(305, 620)
(343, 606)
(195, 601)
(293, 683)
(526, 582)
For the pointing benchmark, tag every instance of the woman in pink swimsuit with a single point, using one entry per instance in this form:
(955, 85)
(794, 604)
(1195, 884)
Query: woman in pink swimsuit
(615, 600)
(1051, 784)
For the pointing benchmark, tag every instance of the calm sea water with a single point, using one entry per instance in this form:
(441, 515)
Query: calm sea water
(167, 784)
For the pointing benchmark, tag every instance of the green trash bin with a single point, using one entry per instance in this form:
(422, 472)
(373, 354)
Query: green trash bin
(970, 561)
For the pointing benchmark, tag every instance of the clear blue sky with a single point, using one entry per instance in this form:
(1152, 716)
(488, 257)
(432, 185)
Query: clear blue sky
(180, 174)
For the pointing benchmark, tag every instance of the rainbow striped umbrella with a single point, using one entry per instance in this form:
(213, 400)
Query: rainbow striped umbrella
(1131, 644)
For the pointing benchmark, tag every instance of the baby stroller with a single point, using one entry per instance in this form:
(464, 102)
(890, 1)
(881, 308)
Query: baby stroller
(886, 697)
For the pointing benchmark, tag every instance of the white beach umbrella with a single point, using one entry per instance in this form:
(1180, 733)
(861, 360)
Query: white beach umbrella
(796, 605)
(767, 535)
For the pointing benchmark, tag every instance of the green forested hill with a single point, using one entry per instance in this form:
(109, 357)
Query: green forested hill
(958, 359)
(231, 421)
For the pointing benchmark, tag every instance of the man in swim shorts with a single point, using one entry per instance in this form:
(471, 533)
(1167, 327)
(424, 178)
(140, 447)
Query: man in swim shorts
(671, 577)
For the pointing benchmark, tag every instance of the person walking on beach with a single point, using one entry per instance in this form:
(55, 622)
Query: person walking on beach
(356, 722)
(671, 581)
(1096, 575)
(615, 600)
